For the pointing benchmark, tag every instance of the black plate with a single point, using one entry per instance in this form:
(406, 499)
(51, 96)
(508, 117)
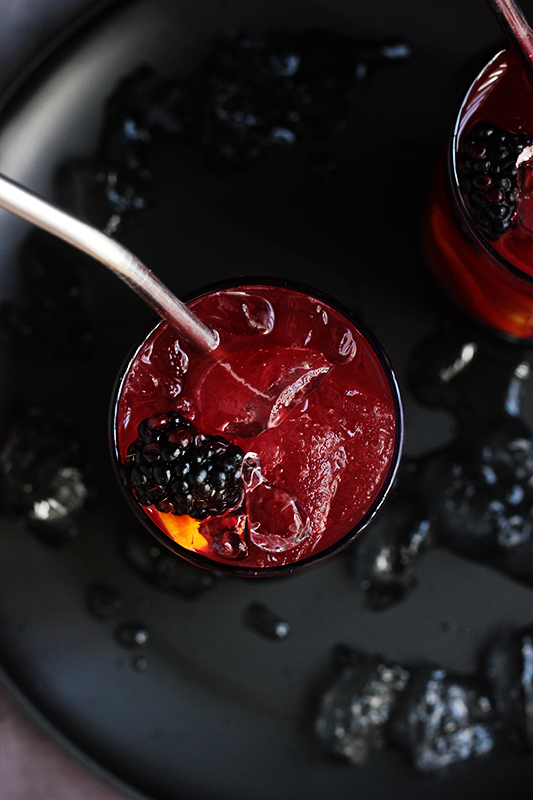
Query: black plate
(208, 708)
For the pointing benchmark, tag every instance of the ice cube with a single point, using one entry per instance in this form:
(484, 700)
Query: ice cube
(482, 497)
(442, 719)
(103, 193)
(132, 634)
(256, 388)
(41, 473)
(67, 494)
(441, 365)
(335, 340)
(276, 520)
(51, 320)
(262, 619)
(226, 535)
(156, 379)
(356, 707)
(383, 560)
(244, 312)
(508, 666)
(311, 324)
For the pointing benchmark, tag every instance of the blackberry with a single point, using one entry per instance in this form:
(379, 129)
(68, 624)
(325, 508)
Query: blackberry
(488, 175)
(179, 470)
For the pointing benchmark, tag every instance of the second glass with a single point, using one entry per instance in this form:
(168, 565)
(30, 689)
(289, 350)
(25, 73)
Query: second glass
(479, 226)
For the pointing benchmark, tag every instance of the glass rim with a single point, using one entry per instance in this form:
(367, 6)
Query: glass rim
(233, 568)
(458, 203)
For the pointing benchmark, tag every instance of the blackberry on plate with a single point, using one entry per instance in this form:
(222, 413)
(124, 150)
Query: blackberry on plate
(488, 175)
(179, 470)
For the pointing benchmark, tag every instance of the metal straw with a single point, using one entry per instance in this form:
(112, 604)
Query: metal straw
(25, 204)
(516, 28)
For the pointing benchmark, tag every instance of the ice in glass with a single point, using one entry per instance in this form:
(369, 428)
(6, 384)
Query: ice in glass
(274, 450)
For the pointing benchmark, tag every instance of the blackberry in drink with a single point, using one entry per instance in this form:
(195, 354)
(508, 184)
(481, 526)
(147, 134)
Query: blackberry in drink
(271, 452)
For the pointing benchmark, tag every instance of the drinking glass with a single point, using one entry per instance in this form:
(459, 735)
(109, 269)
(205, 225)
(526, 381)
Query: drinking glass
(487, 272)
(305, 390)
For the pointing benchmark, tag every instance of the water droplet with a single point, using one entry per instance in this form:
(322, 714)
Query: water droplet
(132, 634)
(140, 664)
(264, 621)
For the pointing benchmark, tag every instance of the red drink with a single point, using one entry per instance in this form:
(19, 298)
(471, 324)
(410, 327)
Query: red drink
(303, 391)
(479, 231)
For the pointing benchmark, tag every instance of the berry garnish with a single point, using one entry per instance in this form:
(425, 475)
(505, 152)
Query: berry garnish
(488, 175)
(179, 470)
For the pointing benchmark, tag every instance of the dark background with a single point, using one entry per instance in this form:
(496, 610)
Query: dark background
(176, 729)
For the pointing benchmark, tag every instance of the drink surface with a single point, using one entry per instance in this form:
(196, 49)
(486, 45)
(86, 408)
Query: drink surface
(479, 224)
(301, 391)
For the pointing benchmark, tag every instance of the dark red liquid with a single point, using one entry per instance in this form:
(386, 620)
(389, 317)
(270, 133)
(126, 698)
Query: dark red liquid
(490, 280)
(293, 382)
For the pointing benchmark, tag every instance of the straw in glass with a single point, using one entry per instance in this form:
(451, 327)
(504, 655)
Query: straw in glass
(517, 29)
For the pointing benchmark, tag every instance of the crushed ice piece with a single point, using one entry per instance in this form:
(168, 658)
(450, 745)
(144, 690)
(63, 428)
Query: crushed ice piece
(282, 136)
(104, 601)
(41, 477)
(355, 709)
(51, 319)
(112, 188)
(440, 365)
(250, 96)
(472, 376)
(274, 91)
(102, 193)
(508, 668)
(383, 560)
(263, 620)
(479, 490)
(442, 719)
(466, 354)
(132, 634)
(527, 682)
(252, 471)
(481, 497)
(166, 366)
(292, 389)
(226, 535)
(513, 400)
(276, 520)
(397, 51)
(67, 496)
(167, 572)
(156, 106)
(124, 139)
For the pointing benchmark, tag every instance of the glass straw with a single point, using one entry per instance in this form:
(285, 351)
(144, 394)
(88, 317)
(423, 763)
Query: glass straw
(516, 27)
(99, 245)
